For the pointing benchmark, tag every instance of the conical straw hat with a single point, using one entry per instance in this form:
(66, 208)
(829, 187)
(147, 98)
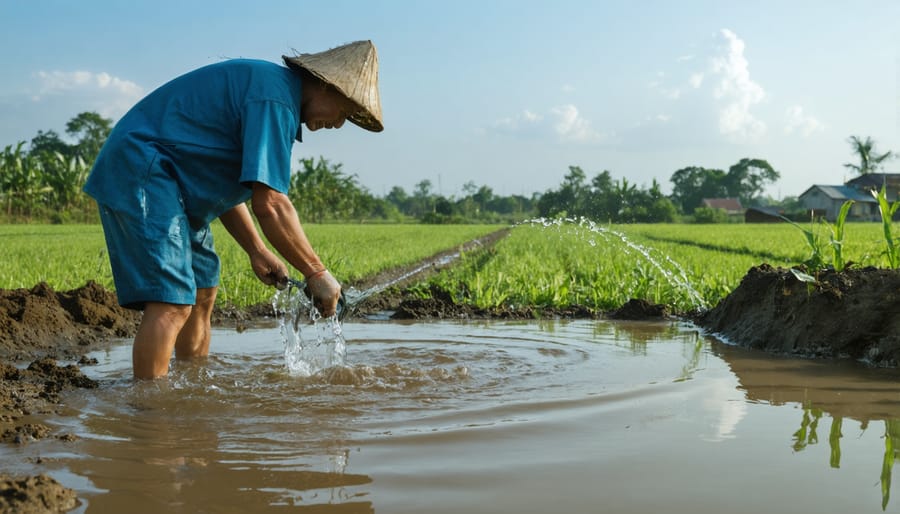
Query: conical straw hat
(353, 70)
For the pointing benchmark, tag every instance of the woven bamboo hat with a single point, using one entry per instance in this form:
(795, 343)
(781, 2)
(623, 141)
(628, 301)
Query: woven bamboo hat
(353, 70)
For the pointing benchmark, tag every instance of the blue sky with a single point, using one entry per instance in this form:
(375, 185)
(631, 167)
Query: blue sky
(501, 93)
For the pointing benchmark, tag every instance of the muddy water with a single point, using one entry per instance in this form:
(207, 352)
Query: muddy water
(509, 418)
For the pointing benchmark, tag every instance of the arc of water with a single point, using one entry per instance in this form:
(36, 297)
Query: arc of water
(677, 278)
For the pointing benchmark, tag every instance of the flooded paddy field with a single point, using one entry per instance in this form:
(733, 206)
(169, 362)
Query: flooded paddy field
(505, 417)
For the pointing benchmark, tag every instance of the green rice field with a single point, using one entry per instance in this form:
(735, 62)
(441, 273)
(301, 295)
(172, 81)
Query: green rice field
(67, 256)
(540, 264)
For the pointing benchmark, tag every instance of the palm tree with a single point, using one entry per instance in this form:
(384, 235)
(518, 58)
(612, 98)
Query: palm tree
(869, 161)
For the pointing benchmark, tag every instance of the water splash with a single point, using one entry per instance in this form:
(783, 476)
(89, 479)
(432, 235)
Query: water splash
(354, 297)
(671, 271)
(311, 343)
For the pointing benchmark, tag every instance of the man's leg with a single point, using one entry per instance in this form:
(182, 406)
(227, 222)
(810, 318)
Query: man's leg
(156, 336)
(193, 340)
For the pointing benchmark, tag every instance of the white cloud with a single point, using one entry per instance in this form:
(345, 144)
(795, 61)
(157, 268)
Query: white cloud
(736, 92)
(571, 126)
(696, 80)
(101, 92)
(564, 121)
(525, 121)
(798, 121)
(568, 88)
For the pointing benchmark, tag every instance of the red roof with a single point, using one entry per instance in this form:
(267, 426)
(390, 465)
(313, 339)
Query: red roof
(727, 204)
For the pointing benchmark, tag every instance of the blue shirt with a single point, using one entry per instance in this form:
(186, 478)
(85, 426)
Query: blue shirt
(214, 130)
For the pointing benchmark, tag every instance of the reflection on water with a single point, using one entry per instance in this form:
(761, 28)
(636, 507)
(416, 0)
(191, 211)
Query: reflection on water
(835, 389)
(538, 417)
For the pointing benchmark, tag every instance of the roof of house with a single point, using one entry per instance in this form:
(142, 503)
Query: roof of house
(767, 210)
(841, 193)
(727, 204)
(875, 180)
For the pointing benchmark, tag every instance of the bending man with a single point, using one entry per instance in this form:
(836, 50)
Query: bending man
(198, 148)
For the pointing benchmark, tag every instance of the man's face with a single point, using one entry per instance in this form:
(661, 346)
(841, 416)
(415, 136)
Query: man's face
(327, 109)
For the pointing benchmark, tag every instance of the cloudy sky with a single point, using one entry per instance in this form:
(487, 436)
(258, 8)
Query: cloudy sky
(504, 93)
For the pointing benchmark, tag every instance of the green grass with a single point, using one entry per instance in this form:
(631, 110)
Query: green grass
(602, 267)
(561, 265)
(67, 256)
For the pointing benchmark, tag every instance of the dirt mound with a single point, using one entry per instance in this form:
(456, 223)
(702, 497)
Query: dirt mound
(848, 314)
(39, 494)
(439, 304)
(40, 321)
(636, 309)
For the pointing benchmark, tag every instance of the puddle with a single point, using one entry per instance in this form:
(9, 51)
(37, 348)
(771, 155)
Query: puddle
(580, 416)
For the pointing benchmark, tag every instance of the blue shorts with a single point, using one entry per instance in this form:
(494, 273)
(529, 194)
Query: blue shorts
(156, 255)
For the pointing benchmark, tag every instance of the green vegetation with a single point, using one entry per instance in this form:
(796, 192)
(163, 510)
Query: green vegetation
(745, 180)
(601, 267)
(42, 181)
(67, 256)
(550, 264)
(887, 210)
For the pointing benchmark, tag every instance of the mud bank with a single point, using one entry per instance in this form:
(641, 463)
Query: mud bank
(848, 314)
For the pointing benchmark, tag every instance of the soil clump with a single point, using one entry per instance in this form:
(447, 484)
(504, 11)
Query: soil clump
(848, 314)
(40, 322)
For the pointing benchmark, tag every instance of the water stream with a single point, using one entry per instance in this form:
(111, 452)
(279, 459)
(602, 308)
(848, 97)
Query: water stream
(588, 230)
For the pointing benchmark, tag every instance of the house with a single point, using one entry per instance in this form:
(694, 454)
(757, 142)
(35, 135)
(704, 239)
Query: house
(731, 206)
(763, 215)
(875, 181)
(826, 201)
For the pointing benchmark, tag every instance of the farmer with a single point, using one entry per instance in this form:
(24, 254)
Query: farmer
(197, 149)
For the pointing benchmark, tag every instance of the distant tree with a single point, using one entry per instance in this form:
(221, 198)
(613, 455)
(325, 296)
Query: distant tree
(606, 200)
(692, 184)
(745, 180)
(321, 190)
(570, 199)
(660, 209)
(91, 131)
(483, 197)
(748, 178)
(50, 142)
(468, 203)
(869, 160)
(399, 198)
(422, 199)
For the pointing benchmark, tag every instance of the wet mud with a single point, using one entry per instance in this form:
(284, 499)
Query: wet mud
(849, 314)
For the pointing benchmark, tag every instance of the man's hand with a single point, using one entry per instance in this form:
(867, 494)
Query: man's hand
(269, 268)
(325, 291)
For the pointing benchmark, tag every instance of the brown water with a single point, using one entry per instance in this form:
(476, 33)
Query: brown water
(534, 417)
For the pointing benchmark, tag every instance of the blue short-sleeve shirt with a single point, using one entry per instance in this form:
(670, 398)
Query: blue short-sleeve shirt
(214, 131)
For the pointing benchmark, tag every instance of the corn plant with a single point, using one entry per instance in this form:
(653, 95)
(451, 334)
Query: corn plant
(887, 210)
(836, 238)
(816, 261)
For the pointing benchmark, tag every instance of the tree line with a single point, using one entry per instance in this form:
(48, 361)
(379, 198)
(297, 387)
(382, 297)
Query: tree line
(42, 181)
